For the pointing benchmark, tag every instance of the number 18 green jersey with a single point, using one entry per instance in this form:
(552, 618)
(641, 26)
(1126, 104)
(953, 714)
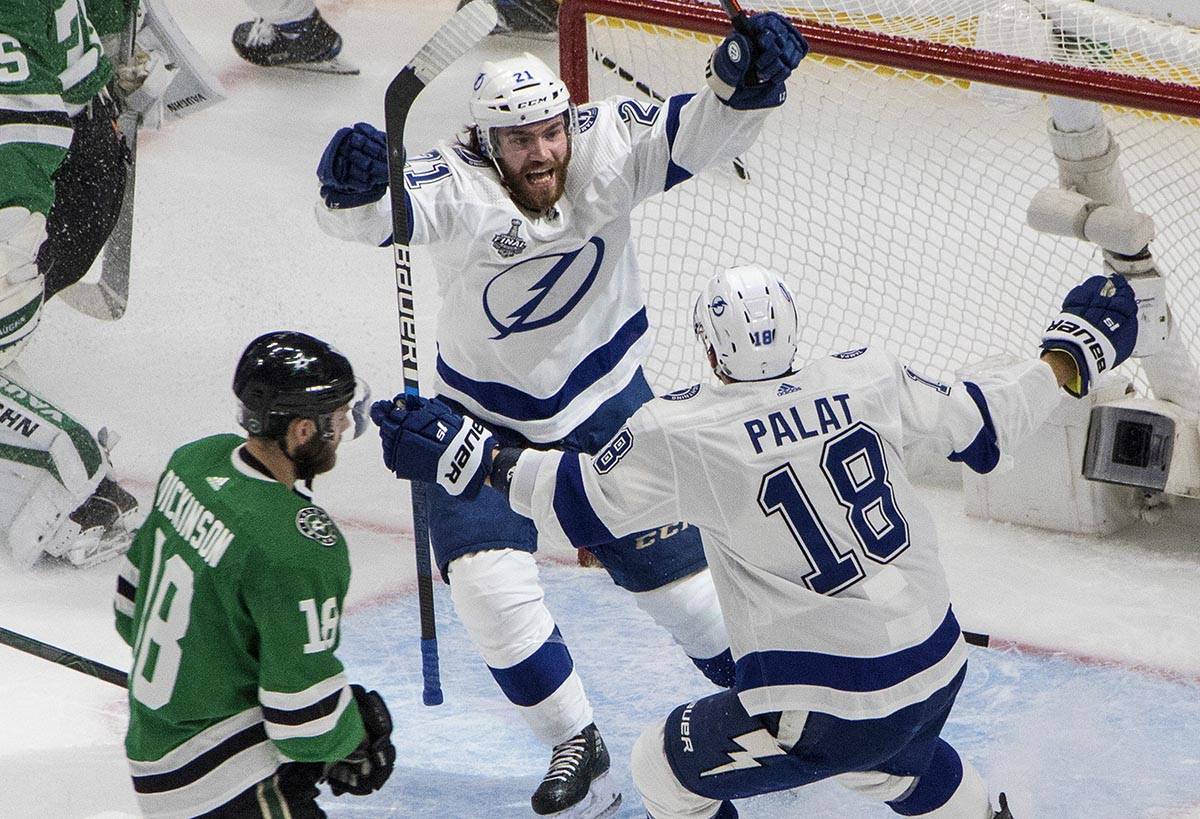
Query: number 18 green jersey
(230, 598)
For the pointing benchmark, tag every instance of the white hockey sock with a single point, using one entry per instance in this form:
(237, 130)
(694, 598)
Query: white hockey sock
(499, 600)
(688, 609)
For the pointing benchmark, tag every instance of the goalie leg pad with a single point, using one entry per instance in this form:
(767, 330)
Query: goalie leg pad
(21, 285)
(49, 465)
(1087, 163)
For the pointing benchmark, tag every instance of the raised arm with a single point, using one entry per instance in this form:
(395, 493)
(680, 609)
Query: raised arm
(746, 80)
(981, 419)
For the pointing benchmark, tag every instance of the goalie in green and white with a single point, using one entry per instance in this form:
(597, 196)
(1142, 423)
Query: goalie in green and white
(56, 494)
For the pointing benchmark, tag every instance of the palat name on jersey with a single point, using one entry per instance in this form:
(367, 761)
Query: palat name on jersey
(788, 426)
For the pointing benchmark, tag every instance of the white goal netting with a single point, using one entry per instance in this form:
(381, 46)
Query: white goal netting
(894, 199)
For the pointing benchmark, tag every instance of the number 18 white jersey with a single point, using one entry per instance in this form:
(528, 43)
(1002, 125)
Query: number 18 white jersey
(824, 559)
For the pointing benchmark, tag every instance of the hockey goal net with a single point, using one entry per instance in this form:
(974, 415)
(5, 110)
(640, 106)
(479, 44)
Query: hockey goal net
(891, 189)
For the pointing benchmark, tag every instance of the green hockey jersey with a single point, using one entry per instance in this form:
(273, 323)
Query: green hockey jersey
(51, 64)
(230, 598)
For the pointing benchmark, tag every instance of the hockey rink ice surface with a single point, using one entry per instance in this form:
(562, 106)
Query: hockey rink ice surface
(1089, 706)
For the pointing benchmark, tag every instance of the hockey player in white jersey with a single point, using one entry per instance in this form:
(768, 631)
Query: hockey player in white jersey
(826, 563)
(542, 332)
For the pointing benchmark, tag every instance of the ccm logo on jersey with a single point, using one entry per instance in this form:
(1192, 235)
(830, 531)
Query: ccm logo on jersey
(461, 459)
(1071, 328)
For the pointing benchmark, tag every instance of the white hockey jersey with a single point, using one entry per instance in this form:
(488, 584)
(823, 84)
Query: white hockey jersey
(824, 559)
(543, 319)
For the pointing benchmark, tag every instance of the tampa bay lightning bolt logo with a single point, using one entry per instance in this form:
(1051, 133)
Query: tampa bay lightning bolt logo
(587, 118)
(718, 306)
(559, 281)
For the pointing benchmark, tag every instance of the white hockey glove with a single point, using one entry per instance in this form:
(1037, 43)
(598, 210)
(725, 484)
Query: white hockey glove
(143, 82)
(1098, 326)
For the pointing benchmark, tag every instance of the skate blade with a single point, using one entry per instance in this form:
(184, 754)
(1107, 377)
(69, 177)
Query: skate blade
(601, 802)
(334, 66)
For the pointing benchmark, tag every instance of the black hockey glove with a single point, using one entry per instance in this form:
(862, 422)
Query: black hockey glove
(370, 764)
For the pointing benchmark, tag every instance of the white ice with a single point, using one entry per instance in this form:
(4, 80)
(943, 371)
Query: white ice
(226, 248)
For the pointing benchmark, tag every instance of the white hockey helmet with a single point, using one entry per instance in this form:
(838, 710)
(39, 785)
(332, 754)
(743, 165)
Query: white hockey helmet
(516, 91)
(747, 316)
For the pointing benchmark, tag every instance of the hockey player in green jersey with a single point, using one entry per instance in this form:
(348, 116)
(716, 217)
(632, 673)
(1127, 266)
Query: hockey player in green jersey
(62, 174)
(231, 597)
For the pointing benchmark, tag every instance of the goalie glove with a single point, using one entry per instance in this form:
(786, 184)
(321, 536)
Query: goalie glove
(370, 764)
(425, 440)
(748, 69)
(1098, 326)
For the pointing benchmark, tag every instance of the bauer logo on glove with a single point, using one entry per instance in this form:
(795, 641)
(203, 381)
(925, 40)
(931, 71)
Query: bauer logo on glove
(1098, 327)
(425, 440)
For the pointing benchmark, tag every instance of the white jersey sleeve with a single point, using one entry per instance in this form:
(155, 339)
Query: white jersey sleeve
(433, 191)
(671, 143)
(824, 557)
(587, 500)
(977, 421)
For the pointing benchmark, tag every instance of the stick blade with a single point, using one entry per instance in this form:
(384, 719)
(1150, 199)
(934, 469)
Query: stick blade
(456, 37)
(95, 299)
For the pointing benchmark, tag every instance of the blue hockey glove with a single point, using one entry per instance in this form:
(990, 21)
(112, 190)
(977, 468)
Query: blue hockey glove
(1098, 326)
(424, 440)
(354, 169)
(748, 70)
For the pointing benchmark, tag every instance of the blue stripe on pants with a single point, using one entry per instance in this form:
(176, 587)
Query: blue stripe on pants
(539, 675)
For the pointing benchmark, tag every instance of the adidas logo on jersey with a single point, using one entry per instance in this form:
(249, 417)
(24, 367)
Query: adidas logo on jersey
(216, 483)
(787, 389)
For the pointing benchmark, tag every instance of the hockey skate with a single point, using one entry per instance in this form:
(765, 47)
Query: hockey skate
(104, 524)
(578, 784)
(304, 45)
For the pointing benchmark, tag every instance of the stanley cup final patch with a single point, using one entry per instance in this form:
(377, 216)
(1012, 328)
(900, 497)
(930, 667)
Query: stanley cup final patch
(315, 524)
(510, 244)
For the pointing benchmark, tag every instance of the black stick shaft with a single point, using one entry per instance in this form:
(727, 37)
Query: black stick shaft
(60, 656)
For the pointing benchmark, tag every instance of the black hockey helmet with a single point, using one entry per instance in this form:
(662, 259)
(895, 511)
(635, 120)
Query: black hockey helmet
(286, 375)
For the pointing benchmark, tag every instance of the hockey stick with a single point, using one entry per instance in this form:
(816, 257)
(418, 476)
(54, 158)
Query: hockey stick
(106, 299)
(456, 37)
(737, 15)
(108, 674)
(62, 657)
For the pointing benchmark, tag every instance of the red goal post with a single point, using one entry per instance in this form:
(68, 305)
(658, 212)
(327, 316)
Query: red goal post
(891, 188)
(883, 49)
